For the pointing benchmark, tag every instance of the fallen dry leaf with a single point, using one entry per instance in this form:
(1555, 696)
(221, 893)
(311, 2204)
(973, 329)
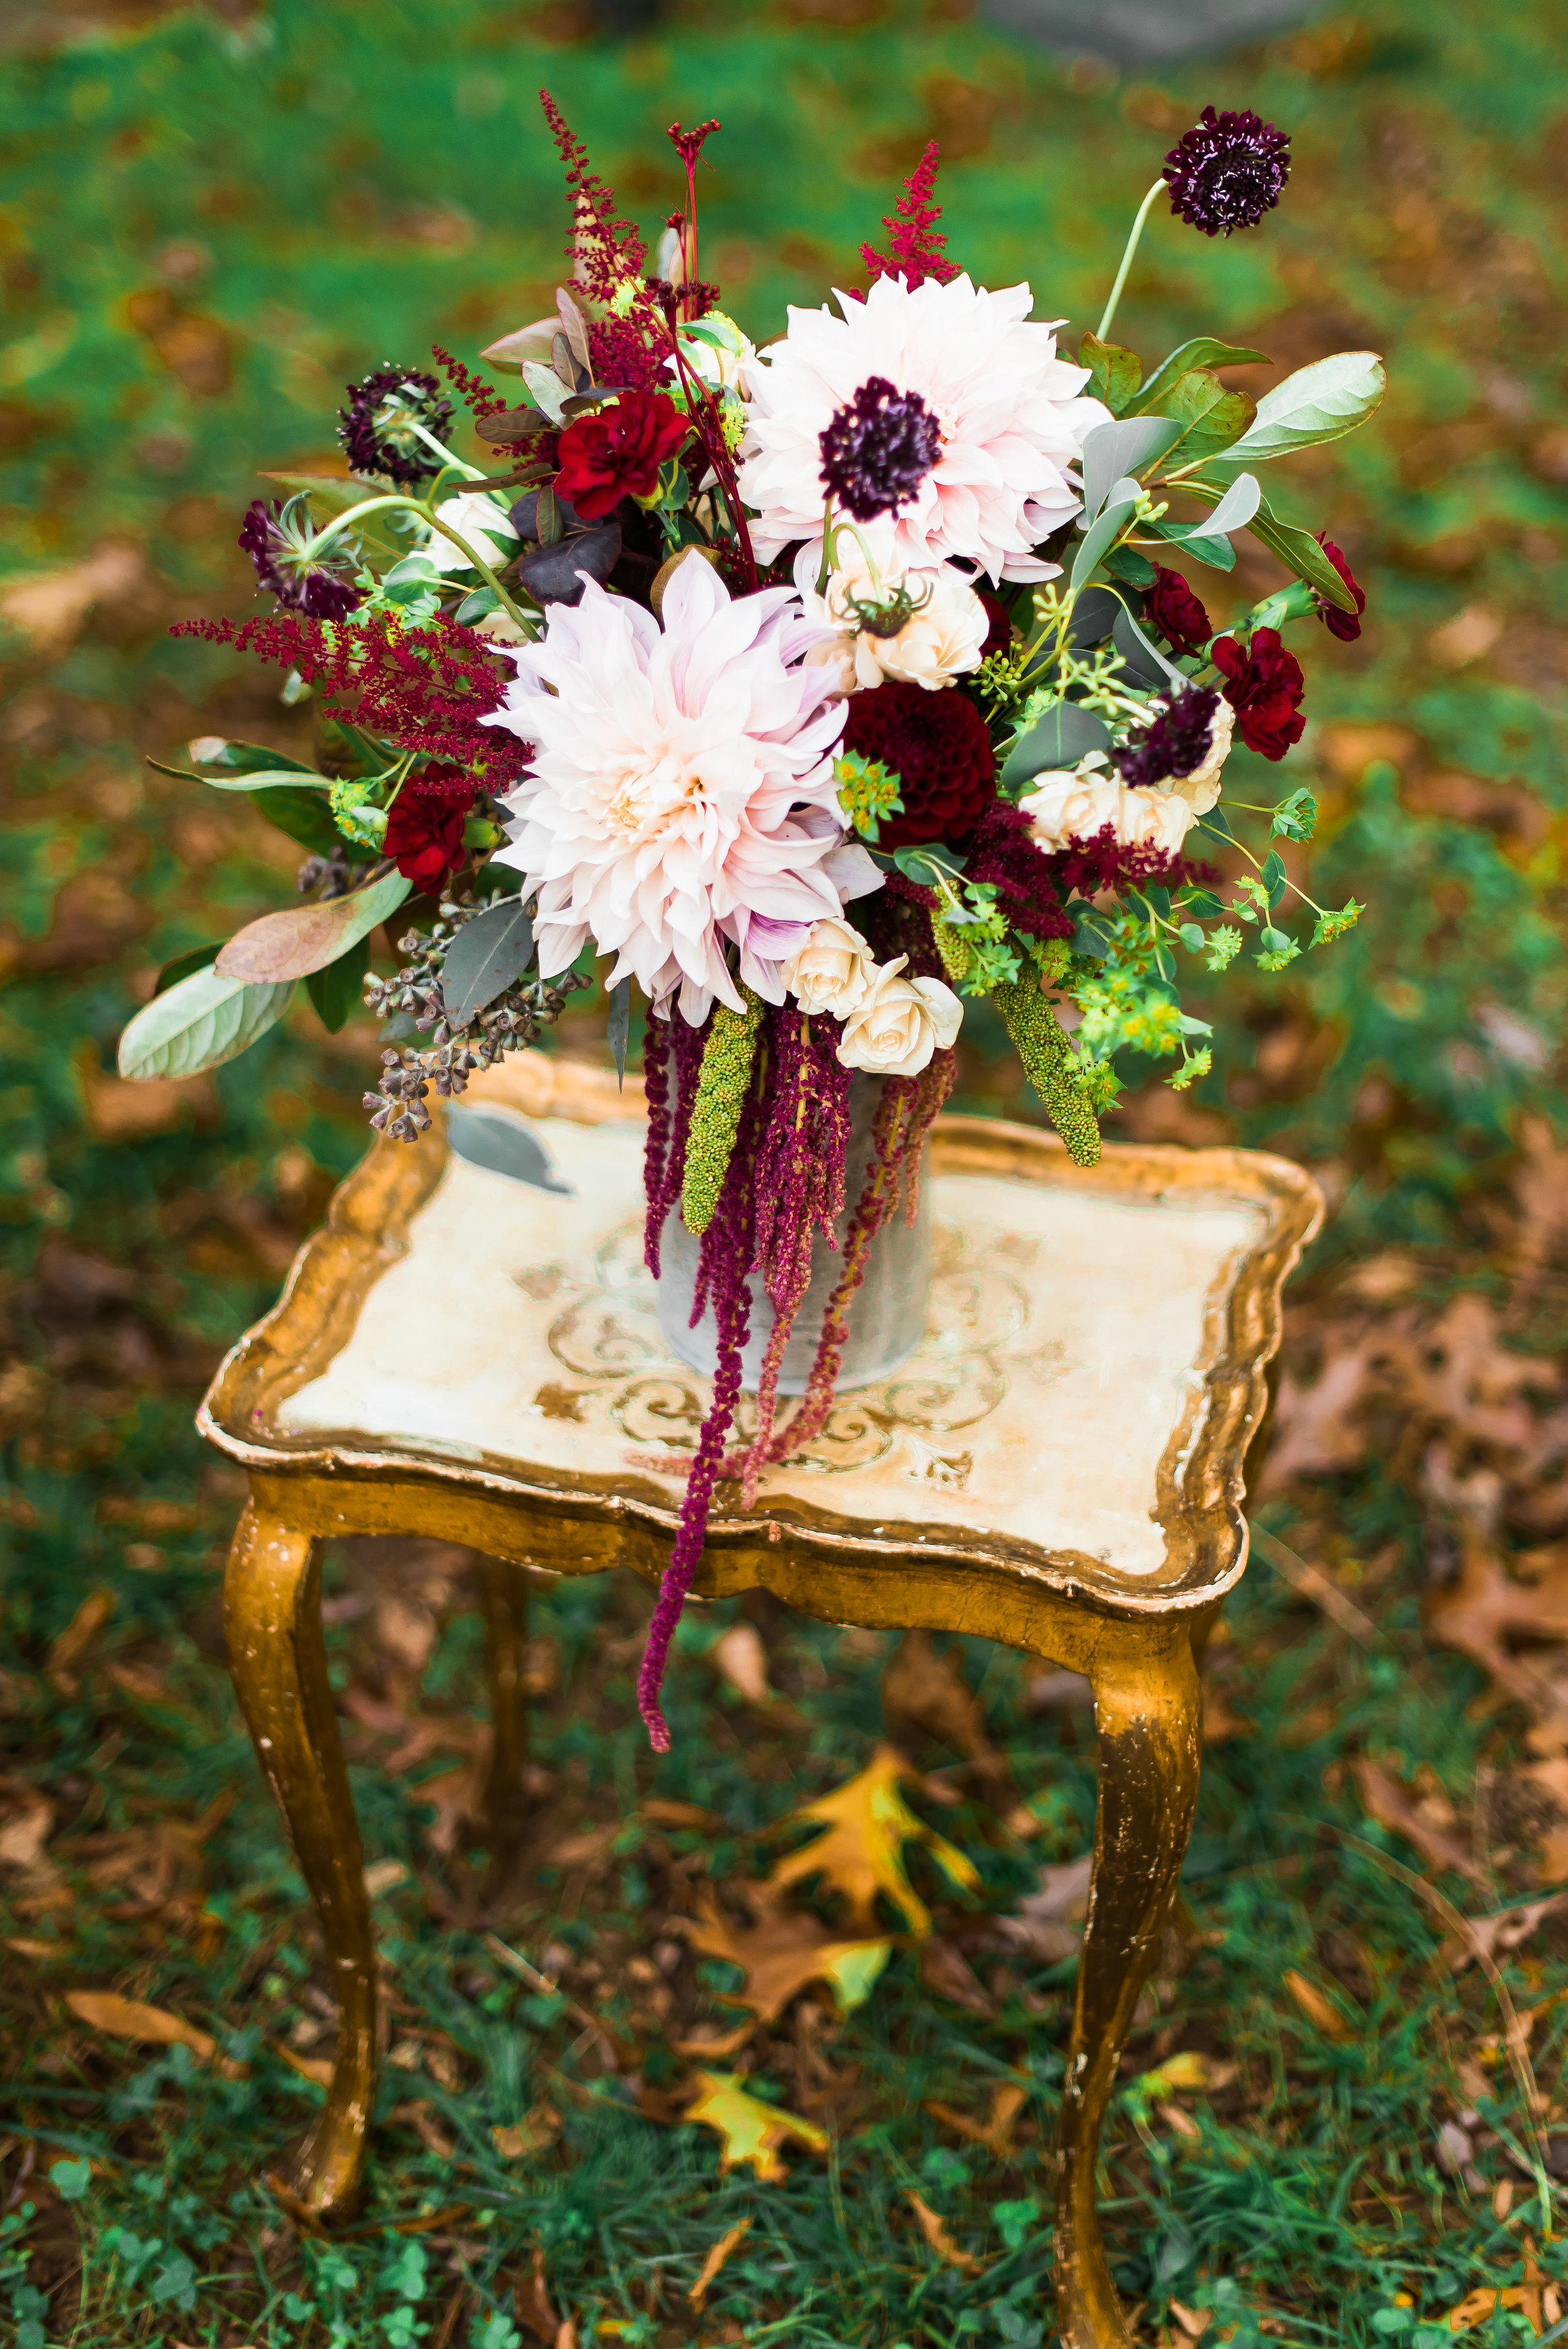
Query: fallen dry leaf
(128, 2018)
(715, 2260)
(531, 2301)
(28, 1824)
(319, 2068)
(1537, 2299)
(784, 1953)
(995, 2132)
(1485, 1607)
(1384, 1799)
(1320, 2011)
(739, 1656)
(866, 1823)
(928, 1691)
(531, 2135)
(750, 2131)
(934, 2229)
(948, 1972)
(657, 1813)
(73, 1643)
(1049, 1924)
(1194, 2322)
(1187, 2071)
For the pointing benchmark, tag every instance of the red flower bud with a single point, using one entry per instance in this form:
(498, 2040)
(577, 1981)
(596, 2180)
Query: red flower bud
(1345, 625)
(1171, 606)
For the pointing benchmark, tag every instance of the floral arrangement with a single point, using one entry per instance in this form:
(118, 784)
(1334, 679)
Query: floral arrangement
(820, 690)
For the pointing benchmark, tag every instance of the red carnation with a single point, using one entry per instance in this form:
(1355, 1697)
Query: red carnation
(425, 826)
(1345, 625)
(617, 452)
(938, 746)
(1265, 688)
(1171, 606)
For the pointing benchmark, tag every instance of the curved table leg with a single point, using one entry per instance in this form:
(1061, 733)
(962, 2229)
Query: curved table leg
(272, 1614)
(505, 1598)
(1148, 1706)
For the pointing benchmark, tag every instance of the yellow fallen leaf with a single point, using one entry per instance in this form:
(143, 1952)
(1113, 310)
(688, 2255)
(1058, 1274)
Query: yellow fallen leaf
(128, 2018)
(1319, 2010)
(715, 2260)
(784, 1952)
(867, 1823)
(934, 2229)
(1189, 2070)
(751, 2131)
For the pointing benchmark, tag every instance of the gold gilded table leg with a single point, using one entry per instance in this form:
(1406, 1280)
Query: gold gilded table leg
(272, 1614)
(504, 1600)
(1146, 1705)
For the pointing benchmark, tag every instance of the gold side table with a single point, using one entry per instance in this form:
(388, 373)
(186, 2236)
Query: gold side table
(464, 1353)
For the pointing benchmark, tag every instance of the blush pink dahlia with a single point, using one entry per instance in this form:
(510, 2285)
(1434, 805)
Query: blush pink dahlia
(682, 793)
(1010, 419)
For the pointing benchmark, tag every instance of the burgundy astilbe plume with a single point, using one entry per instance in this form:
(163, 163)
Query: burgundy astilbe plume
(1006, 856)
(481, 397)
(722, 1267)
(1103, 862)
(427, 690)
(916, 245)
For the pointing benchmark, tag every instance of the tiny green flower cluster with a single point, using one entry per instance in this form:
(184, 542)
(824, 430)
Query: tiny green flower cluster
(727, 1059)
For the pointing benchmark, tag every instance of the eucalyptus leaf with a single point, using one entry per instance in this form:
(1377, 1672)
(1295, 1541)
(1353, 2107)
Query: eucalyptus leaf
(199, 1023)
(488, 953)
(620, 1025)
(1059, 740)
(242, 758)
(1204, 352)
(1306, 557)
(1115, 372)
(299, 939)
(549, 392)
(1217, 553)
(1135, 570)
(1149, 664)
(1318, 403)
(1102, 534)
(1111, 451)
(1234, 510)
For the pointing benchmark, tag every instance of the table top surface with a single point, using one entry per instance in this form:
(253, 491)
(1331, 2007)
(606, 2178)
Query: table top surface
(1081, 1401)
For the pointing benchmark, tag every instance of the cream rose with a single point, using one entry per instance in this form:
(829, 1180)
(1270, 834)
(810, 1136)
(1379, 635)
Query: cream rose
(832, 970)
(1076, 804)
(939, 642)
(474, 515)
(898, 1023)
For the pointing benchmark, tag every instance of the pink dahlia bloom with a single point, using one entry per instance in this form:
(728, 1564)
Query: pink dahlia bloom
(682, 791)
(1010, 416)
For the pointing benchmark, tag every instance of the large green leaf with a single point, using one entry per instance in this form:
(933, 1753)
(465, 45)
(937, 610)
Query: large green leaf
(1318, 403)
(1102, 534)
(298, 940)
(1115, 372)
(1211, 417)
(1202, 352)
(1306, 557)
(198, 1024)
(339, 990)
(241, 759)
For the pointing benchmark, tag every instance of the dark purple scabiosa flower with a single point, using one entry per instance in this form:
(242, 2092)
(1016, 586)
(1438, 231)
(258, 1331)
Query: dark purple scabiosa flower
(282, 542)
(1178, 742)
(1228, 171)
(376, 427)
(878, 449)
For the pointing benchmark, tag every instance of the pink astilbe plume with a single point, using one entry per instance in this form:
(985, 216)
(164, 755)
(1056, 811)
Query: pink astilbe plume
(603, 250)
(916, 245)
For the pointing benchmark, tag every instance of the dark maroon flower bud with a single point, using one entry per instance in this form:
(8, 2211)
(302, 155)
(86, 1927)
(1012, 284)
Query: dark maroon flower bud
(378, 427)
(616, 451)
(938, 746)
(1345, 625)
(878, 449)
(1171, 606)
(1228, 171)
(1265, 687)
(281, 540)
(425, 822)
(1177, 743)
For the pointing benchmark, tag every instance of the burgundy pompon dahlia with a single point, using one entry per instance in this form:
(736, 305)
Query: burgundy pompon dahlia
(1227, 171)
(878, 449)
(1265, 687)
(282, 543)
(937, 744)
